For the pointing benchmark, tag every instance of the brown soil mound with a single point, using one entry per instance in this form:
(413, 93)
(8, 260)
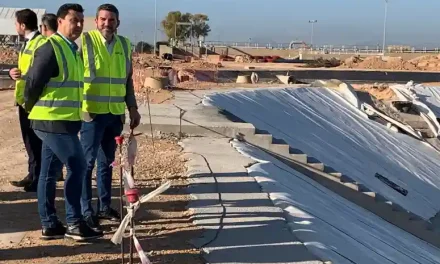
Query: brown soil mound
(380, 91)
(422, 63)
(389, 64)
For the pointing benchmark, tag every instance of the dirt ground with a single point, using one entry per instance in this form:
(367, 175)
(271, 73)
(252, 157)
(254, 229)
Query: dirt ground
(421, 63)
(163, 224)
(380, 91)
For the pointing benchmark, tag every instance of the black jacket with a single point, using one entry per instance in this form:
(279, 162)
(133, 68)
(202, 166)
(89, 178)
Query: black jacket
(45, 67)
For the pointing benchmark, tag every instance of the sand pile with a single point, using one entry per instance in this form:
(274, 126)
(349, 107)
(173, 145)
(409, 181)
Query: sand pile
(352, 61)
(428, 62)
(423, 63)
(380, 91)
(380, 63)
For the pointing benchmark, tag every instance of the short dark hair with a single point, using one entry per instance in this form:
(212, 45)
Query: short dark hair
(108, 7)
(28, 18)
(50, 21)
(64, 9)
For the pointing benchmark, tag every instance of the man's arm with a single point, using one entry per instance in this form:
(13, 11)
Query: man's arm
(130, 101)
(43, 68)
(130, 97)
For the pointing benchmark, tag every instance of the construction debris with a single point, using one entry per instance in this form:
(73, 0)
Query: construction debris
(8, 55)
(323, 63)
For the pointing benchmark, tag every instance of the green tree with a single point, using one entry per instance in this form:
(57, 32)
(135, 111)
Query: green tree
(169, 24)
(200, 25)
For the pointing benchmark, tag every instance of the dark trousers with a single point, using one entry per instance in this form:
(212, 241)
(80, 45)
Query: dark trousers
(32, 144)
(98, 141)
(59, 149)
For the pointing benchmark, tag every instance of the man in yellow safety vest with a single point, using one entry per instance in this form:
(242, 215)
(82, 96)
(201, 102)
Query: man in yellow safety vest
(53, 95)
(27, 26)
(108, 88)
(48, 27)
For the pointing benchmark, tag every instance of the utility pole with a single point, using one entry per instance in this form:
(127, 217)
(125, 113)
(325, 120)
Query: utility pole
(135, 43)
(385, 28)
(155, 26)
(313, 22)
(142, 41)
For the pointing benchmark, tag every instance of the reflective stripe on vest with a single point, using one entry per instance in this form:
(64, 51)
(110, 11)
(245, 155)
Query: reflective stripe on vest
(64, 83)
(100, 98)
(61, 99)
(54, 103)
(25, 59)
(105, 80)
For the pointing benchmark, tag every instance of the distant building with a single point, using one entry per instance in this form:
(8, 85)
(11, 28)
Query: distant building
(8, 34)
(397, 48)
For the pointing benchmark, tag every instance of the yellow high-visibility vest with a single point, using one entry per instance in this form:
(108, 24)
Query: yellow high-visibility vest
(62, 97)
(25, 59)
(105, 74)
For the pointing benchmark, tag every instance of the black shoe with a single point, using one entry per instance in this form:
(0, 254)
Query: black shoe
(22, 183)
(110, 214)
(82, 232)
(31, 187)
(56, 232)
(93, 223)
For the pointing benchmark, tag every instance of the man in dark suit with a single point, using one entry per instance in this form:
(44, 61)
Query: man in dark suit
(49, 25)
(27, 26)
(25, 22)
(53, 96)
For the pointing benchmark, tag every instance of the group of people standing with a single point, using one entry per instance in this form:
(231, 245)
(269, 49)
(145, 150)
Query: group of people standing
(64, 90)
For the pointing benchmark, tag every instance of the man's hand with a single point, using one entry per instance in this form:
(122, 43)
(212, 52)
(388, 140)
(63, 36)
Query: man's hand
(135, 117)
(15, 74)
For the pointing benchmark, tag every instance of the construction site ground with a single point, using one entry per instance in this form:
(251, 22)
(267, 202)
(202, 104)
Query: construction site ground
(394, 62)
(164, 227)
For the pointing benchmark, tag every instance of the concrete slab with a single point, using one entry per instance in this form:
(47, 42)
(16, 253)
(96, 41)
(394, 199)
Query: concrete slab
(241, 224)
(9, 237)
(195, 119)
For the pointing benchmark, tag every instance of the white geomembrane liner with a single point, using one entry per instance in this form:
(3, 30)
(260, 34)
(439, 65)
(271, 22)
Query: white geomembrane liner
(322, 125)
(331, 227)
(429, 95)
(425, 98)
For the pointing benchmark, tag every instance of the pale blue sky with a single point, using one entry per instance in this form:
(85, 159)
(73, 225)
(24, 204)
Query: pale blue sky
(347, 22)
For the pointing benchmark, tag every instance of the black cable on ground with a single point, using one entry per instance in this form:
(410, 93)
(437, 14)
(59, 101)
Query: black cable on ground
(223, 214)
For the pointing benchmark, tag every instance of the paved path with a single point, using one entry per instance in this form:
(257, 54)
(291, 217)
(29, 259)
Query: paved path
(241, 223)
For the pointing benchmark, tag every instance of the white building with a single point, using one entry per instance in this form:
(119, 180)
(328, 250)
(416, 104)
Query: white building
(8, 34)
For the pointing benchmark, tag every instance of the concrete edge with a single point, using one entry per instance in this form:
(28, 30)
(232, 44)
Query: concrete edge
(190, 128)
